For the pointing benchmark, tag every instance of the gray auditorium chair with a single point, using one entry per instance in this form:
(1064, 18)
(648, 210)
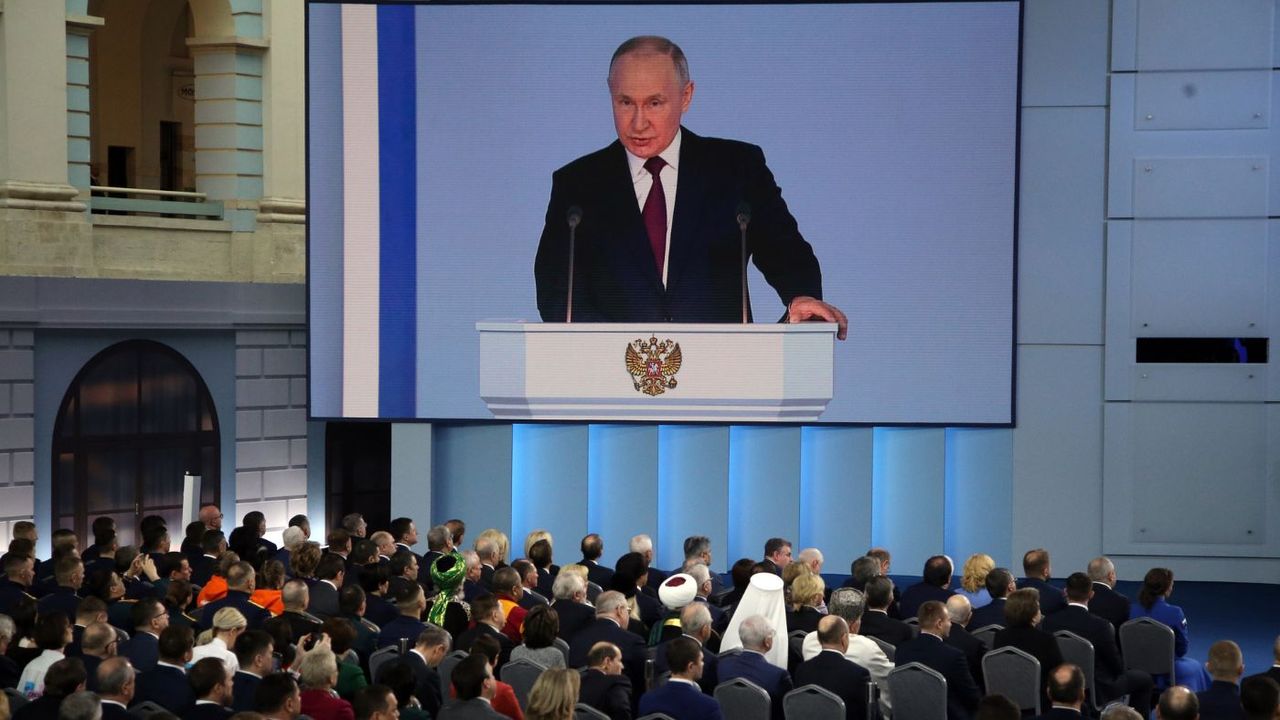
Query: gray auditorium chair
(381, 657)
(795, 641)
(919, 692)
(583, 711)
(563, 647)
(1147, 645)
(1079, 652)
(146, 709)
(1014, 674)
(812, 703)
(446, 667)
(655, 716)
(521, 675)
(889, 650)
(987, 634)
(742, 699)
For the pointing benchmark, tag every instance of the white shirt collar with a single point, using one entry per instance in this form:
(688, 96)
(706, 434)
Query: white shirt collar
(686, 681)
(1079, 605)
(671, 155)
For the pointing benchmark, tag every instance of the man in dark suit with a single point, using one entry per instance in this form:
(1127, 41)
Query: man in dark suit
(1035, 563)
(757, 637)
(1066, 693)
(830, 670)
(150, 618)
(323, 601)
(571, 604)
(489, 619)
(695, 624)
(404, 532)
(487, 552)
(69, 575)
(212, 544)
(612, 615)
(777, 554)
(935, 584)
(1111, 678)
(1106, 603)
(410, 603)
(19, 573)
(959, 610)
(241, 581)
(876, 622)
(474, 683)
(253, 649)
(116, 681)
(531, 597)
(166, 684)
(423, 658)
(278, 697)
(212, 689)
(439, 544)
(678, 258)
(592, 549)
(1222, 698)
(1260, 697)
(1273, 672)
(999, 584)
(603, 686)
(1178, 703)
(930, 650)
(680, 697)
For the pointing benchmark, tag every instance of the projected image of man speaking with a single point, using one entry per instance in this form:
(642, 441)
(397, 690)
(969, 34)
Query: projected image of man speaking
(659, 212)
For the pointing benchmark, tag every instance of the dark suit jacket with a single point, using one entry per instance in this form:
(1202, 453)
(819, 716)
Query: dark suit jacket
(973, 650)
(91, 663)
(379, 610)
(929, 650)
(832, 671)
(1272, 672)
(610, 694)
(323, 600)
(9, 672)
(61, 599)
(806, 619)
(466, 639)
(1060, 713)
(254, 613)
(1107, 664)
(143, 650)
(616, 279)
(754, 667)
(402, 626)
(111, 711)
(574, 616)
(1040, 644)
(1109, 605)
(651, 610)
(207, 711)
(546, 581)
(634, 652)
(202, 568)
(681, 701)
(42, 708)
(426, 681)
(165, 686)
(916, 595)
(473, 709)
(710, 667)
(1051, 598)
(990, 614)
(597, 573)
(243, 686)
(1221, 702)
(879, 625)
(486, 576)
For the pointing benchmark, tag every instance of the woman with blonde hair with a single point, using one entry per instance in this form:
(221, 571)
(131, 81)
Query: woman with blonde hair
(973, 579)
(807, 591)
(534, 537)
(553, 695)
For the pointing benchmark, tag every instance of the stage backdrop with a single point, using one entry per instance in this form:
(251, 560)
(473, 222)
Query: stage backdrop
(433, 131)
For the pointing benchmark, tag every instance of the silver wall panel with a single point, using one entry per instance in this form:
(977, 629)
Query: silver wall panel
(1192, 34)
(1188, 187)
(1064, 53)
(1199, 382)
(1191, 479)
(1060, 229)
(1224, 100)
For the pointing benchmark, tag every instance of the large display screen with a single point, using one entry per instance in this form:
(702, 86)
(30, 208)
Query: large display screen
(874, 153)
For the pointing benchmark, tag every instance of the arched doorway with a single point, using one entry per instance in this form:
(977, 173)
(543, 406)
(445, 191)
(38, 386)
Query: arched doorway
(133, 421)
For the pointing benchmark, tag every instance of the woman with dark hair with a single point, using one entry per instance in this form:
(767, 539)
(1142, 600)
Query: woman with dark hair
(541, 626)
(1022, 630)
(1153, 602)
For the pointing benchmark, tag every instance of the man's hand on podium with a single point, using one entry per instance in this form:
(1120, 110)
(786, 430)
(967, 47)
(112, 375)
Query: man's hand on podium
(805, 308)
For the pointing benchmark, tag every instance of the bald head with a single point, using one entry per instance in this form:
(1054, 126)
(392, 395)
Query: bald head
(1178, 703)
(959, 609)
(833, 633)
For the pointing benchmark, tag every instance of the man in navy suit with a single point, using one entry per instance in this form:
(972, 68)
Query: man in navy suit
(592, 547)
(935, 584)
(241, 582)
(757, 637)
(831, 670)
(876, 622)
(570, 603)
(929, 649)
(680, 696)
(116, 680)
(1106, 603)
(1260, 696)
(1273, 672)
(253, 649)
(612, 616)
(166, 684)
(999, 585)
(1222, 698)
(1066, 693)
(1035, 563)
(695, 623)
(659, 236)
(150, 618)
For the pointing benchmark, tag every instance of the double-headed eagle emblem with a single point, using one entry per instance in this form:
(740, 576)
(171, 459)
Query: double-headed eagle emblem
(653, 365)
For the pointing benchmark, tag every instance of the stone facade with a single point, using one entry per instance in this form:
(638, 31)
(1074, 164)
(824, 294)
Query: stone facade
(17, 427)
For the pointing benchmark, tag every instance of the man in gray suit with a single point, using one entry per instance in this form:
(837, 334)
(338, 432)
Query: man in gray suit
(475, 686)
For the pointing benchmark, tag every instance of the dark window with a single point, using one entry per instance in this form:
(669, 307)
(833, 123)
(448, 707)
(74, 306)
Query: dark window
(358, 472)
(136, 419)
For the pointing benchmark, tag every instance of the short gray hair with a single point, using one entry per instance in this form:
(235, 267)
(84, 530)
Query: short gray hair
(609, 601)
(754, 631)
(808, 554)
(293, 537)
(83, 705)
(113, 674)
(657, 45)
(698, 572)
(567, 585)
(470, 559)
(7, 628)
(486, 548)
(1116, 711)
(1100, 568)
(433, 635)
(641, 544)
(438, 537)
(694, 617)
(865, 568)
(848, 603)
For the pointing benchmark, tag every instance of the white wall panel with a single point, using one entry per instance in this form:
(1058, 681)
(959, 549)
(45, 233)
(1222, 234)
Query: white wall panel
(1064, 53)
(1224, 100)
(1191, 34)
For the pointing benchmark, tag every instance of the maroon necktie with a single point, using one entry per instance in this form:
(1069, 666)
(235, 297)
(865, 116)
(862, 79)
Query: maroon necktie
(655, 212)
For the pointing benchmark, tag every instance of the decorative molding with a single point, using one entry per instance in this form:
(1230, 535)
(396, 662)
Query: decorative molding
(82, 24)
(229, 42)
(23, 195)
(282, 210)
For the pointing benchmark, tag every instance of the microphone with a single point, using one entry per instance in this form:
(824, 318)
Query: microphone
(573, 217)
(744, 219)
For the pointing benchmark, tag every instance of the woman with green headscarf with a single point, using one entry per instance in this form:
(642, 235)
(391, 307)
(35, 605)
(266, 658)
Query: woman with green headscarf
(447, 609)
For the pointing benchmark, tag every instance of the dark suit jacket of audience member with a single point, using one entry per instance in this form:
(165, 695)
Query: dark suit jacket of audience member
(91, 663)
(1107, 663)
(472, 590)
(111, 711)
(424, 569)
(1051, 598)
(610, 694)
(426, 681)
(324, 600)
(1221, 701)
(466, 639)
(598, 573)
(531, 599)
(1109, 605)
(143, 650)
(9, 672)
(918, 594)
(60, 599)
(1272, 672)
(202, 568)
(165, 686)
(302, 624)
(973, 650)
(806, 619)
(879, 625)
(254, 614)
(486, 576)
(990, 614)
(710, 667)
(1040, 644)
(379, 610)
(473, 709)
(42, 708)
(283, 556)
(753, 666)
(243, 686)
(402, 627)
(634, 652)
(929, 650)
(546, 581)
(651, 610)
(681, 701)
(1059, 713)
(831, 670)
(207, 711)
(574, 616)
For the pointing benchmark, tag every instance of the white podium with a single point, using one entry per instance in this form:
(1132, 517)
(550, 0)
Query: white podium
(662, 371)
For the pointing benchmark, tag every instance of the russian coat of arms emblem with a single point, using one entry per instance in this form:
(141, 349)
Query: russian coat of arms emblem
(653, 364)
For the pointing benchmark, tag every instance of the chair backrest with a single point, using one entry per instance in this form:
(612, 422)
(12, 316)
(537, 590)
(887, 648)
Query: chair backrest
(661, 678)
(446, 667)
(731, 651)
(1015, 674)
(1079, 652)
(912, 621)
(144, 709)
(742, 699)
(1147, 645)
(381, 657)
(583, 711)
(987, 634)
(888, 648)
(796, 640)
(919, 692)
(521, 675)
(563, 647)
(593, 592)
(812, 703)
(655, 716)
